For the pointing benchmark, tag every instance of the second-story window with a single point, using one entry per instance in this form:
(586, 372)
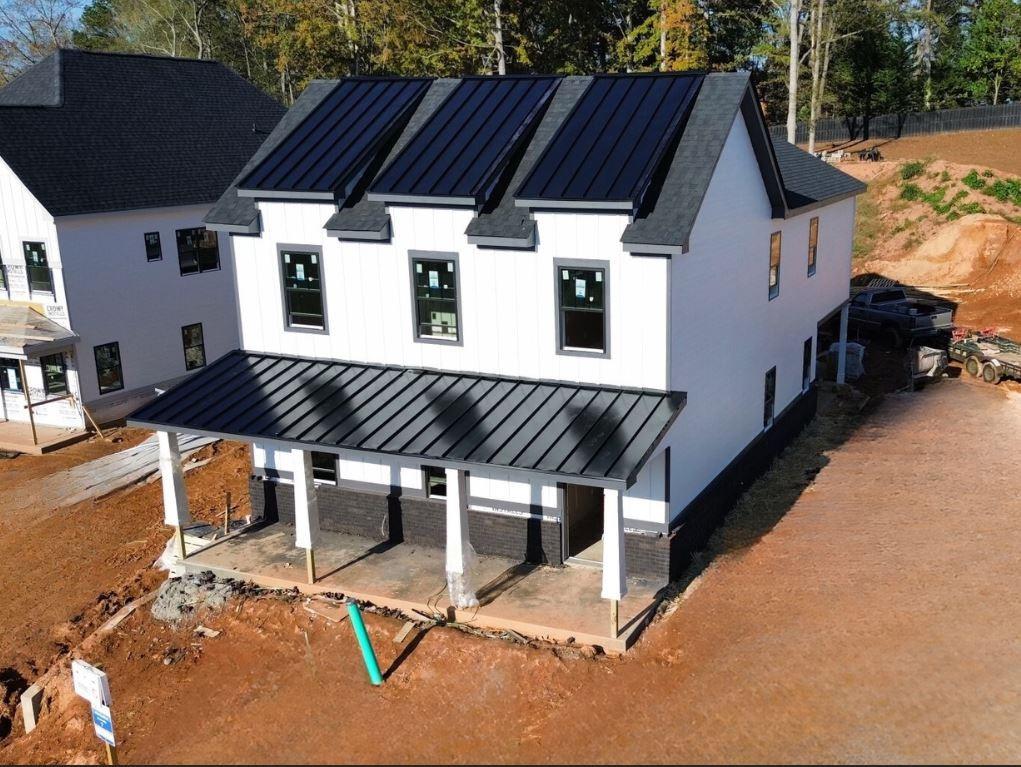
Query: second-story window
(153, 248)
(198, 250)
(303, 290)
(40, 278)
(774, 265)
(581, 299)
(436, 302)
(813, 243)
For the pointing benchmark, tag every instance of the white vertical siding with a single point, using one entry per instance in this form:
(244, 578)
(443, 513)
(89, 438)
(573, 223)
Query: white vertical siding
(725, 332)
(508, 299)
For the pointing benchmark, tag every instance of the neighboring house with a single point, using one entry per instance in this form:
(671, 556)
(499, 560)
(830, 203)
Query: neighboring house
(562, 318)
(108, 163)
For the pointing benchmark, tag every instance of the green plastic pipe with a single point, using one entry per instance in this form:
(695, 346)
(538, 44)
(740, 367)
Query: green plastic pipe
(368, 654)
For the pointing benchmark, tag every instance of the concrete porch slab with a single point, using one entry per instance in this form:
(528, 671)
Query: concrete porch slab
(548, 603)
(16, 437)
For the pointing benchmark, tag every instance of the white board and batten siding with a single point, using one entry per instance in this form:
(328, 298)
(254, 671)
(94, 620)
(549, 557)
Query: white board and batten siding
(118, 295)
(726, 333)
(24, 219)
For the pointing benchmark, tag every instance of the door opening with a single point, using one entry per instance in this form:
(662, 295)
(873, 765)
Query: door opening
(583, 524)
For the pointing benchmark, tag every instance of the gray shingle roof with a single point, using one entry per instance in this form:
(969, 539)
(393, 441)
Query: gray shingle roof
(91, 132)
(502, 220)
(665, 226)
(809, 181)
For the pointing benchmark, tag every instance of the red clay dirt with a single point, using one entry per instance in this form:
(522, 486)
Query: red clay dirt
(876, 619)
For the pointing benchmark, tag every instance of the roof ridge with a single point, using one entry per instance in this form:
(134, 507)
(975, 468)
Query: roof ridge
(133, 55)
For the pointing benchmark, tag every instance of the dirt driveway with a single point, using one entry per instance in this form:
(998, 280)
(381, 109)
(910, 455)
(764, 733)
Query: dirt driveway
(878, 619)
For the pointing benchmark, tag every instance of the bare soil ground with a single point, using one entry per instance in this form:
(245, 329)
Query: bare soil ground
(876, 620)
(990, 149)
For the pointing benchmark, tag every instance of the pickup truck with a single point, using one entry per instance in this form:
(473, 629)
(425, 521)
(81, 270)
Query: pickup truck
(889, 312)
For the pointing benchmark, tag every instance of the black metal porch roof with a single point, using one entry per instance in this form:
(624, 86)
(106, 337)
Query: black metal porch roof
(602, 433)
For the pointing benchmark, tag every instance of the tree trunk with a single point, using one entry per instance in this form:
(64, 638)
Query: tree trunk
(501, 57)
(792, 70)
(662, 35)
(996, 88)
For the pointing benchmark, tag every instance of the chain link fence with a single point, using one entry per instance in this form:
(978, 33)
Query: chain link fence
(889, 126)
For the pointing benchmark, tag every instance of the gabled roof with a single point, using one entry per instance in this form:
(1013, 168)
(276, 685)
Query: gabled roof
(93, 132)
(604, 434)
(660, 145)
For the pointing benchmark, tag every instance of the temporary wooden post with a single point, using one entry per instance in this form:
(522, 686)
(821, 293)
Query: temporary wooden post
(111, 754)
(28, 400)
(614, 618)
(179, 537)
(310, 565)
(226, 516)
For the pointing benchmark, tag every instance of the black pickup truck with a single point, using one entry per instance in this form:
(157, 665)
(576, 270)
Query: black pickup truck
(899, 319)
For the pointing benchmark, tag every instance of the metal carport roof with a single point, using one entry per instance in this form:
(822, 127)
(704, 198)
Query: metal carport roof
(600, 434)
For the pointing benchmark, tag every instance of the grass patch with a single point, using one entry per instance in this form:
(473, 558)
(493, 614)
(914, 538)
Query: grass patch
(867, 226)
(910, 170)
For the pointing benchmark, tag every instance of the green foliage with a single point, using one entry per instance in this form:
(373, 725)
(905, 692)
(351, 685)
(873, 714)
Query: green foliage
(910, 170)
(911, 192)
(944, 176)
(972, 180)
(1005, 190)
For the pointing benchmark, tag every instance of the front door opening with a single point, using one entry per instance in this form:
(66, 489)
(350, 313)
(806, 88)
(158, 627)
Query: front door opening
(583, 524)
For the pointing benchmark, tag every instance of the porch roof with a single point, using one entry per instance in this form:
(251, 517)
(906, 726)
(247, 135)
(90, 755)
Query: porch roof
(599, 434)
(25, 333)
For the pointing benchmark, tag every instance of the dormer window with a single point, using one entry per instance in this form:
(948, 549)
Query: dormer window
(437, 309)
(303, 289)
(582, 295)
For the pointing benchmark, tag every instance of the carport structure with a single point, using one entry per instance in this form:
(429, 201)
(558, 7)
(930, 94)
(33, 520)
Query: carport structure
(598, 436)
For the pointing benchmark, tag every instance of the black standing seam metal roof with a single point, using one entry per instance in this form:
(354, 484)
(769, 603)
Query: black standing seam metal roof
(605, 434)
(458, 153)
(325, 153)
(610, 145)
(94, 132)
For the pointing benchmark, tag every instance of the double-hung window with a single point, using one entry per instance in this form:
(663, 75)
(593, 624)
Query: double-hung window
(194, 346)
(436, 301)
(54, 374)
(40, 278)
(813, 243)
(774, 265)
(769, 403)
(153, 248)
(581, 308)
(198, 250)
(10, 375)
(108, 367)
(324, 467)
(303, 289)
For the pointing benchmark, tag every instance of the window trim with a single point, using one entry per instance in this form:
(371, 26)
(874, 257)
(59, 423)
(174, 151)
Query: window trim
(159, 245)
(63, 365)
(49, 267)
(120, 366)
(199, 270)
(202, 345)
(283, 247)
(813, 247)
(435, 255)
(767, 424)
(581, 263)
(778, 236)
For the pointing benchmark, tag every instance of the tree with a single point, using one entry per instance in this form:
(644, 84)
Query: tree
(31, 30)
(992, 52)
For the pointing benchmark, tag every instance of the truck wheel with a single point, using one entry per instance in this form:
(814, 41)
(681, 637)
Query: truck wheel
(991, 373)
(973, 365)
(892, 336)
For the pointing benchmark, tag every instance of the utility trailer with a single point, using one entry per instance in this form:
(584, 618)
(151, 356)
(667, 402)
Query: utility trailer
(986, 354)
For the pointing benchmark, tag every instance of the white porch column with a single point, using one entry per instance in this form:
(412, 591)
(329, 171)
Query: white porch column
(306, 509)
(842, 348)
(614, 566)
(175, 498)
(459, 551)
